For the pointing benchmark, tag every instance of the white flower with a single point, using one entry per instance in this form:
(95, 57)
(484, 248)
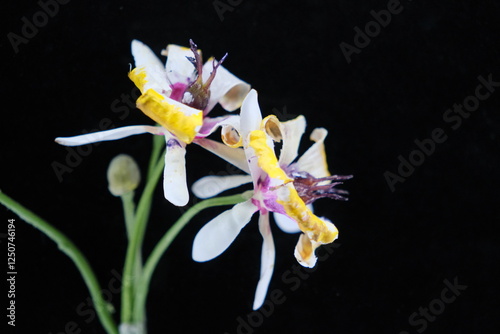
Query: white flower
(282, 186)
(178, 97)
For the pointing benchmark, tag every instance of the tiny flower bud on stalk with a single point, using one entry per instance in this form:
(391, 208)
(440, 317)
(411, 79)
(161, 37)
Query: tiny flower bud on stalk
(123, 175)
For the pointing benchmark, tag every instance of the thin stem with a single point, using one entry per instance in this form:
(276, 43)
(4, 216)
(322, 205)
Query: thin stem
(128, 211)
(135, 243)
(158, 143)
(67, 247)
(143, 286)
(129, 214)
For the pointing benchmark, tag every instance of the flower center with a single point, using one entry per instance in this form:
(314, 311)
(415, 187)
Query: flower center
(197, 93)
(311, 188)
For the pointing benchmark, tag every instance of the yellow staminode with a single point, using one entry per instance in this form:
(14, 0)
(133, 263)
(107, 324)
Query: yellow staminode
(181, 120)
(266, 158)
(315, 228)
(138, 76)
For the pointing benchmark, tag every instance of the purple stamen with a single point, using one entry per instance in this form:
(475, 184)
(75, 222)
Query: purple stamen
(309, 188)
(215, 65)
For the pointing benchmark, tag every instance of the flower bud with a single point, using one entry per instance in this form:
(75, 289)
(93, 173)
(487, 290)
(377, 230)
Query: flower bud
(123, 175)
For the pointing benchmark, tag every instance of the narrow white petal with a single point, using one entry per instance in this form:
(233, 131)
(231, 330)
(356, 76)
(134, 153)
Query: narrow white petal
(235, 156)
(174, 175)
(226, 88)
(218, 234)
(313, 160)
(286, 224)
(211, 124)
(146, 60)
(293, 131)
(212, 185)
(267, 261)
(178, 67)
(251, 116)
(113, 134)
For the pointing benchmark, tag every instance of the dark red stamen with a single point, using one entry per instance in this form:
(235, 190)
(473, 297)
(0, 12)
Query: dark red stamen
(199, 92)
(309, 188)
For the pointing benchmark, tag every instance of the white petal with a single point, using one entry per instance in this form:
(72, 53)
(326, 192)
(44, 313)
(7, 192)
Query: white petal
(216, 236)
(251, 116)
(156, 76)
(250, 120)
(113, 134)
(210, 124)
(226, 88)
(178, 67)
(174, 175)
(235, 156)
(212, 185)
(286, 224)
(313, 160)
(293, 131)
(267, 261)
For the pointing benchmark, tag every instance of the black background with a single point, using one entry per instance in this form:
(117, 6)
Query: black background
(396, 248)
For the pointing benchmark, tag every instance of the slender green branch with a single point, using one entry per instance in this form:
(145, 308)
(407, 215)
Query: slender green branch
(128, 211)
(135, 243)
(67, 247)
(143, 286)
(129, 214)
(158, 143)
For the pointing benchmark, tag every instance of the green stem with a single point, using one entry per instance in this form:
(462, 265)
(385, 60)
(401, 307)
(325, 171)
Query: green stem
(135, 243)
(128, 211)
(129, 214)
(143, 286)
(158, 143)
(67, 247)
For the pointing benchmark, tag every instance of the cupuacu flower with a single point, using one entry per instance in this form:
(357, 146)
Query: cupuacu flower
(281, 186)
(178, 97)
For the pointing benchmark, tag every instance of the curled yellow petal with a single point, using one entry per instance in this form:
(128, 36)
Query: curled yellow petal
(266, 158)
(273, 127)
(181, 120)
(316, 229)
(138, 76)
(304, 251)
(231, 137)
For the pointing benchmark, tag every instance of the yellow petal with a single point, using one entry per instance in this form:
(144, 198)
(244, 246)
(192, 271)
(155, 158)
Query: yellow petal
(181, 120)
(266, 157)
(316, 229)
(138, 76)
